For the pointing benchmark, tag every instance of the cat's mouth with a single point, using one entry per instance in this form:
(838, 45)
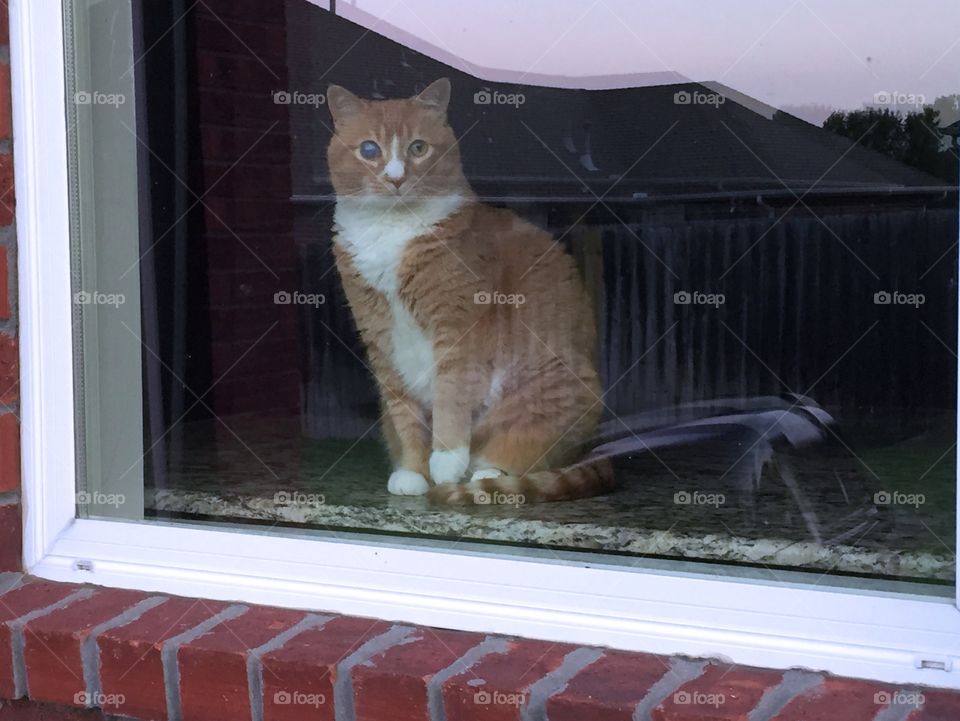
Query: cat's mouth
(393, 188)
(377, 188)
(389, 196)
(407, 190)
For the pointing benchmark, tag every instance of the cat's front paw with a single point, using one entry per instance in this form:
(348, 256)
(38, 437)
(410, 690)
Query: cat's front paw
(407, 483)
(449, 466)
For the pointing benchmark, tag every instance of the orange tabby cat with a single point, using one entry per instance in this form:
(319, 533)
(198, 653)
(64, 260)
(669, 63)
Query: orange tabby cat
(476, 323)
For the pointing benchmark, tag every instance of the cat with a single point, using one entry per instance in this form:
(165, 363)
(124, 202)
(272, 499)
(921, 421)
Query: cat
(476, 323)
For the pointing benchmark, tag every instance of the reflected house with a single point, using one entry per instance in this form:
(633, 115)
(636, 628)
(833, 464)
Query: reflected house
(665, 188)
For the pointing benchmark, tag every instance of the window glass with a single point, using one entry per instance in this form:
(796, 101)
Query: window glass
(638, 280)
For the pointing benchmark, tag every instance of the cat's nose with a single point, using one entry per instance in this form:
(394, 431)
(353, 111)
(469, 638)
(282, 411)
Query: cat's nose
(394, 172)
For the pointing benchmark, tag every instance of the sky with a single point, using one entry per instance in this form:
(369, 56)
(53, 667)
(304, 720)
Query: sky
(838, 53)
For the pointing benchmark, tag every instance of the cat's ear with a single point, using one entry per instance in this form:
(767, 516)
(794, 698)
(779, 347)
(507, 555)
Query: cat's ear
(436, 95)
(343, 104)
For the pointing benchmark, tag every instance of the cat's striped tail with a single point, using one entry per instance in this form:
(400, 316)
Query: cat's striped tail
(582, 480)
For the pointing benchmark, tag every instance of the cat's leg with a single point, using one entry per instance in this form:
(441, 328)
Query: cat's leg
(539, 424)
(457, 382)
(408, 440)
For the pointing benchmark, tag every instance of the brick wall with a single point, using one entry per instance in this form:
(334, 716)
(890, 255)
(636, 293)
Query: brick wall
(241, 60)
(10, 509)
(156, 657)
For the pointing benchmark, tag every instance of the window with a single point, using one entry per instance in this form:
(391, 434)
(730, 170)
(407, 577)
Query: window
(706, 287)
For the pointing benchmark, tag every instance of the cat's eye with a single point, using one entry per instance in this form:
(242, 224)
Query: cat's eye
(369, 150)
(418, 148)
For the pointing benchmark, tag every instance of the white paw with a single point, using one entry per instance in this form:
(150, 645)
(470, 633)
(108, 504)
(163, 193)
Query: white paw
(407, 483)
(449, 466)
(482, 473)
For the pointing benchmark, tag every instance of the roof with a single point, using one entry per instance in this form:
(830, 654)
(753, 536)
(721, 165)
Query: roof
(666, 139)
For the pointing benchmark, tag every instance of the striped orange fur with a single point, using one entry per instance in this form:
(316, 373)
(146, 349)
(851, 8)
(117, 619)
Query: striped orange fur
(476, 323)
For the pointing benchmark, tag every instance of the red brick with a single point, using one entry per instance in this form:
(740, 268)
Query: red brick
(7, 197)
(236, 110)
(52, 643)
(16, 603)
(130, 656)
(231, 326)
(224, 146)
(257, 363)
(254, 288)
(394, 683)
(25, 710)
(823, 702)
(258, 253)
(229, 11)
(721, 692)
(608, 689)
(213, 667)
(5, 25)
(306, 668)
(506, 678)
(242, 216)
(6, 128)
(267, 41)
(938, 706)
(9, 369)
(858, 699)
(248, 179)
(9, 453)
(280, 392)
(237, 72)
(31, 595)
(4, 286)
(11, 531)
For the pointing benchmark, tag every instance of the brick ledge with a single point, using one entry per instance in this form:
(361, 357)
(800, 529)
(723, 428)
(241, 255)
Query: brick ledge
(157, 657)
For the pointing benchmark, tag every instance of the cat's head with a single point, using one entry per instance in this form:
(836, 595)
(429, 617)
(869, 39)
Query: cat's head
(393, 148)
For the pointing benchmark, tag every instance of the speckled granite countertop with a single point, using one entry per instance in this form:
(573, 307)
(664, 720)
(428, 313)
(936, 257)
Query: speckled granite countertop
(410, 517)
(341, 485)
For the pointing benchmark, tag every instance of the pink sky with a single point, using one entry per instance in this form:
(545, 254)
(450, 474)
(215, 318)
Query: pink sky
(783, 52)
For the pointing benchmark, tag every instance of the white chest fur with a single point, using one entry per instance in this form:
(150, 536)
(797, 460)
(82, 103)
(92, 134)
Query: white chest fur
(376, 237)
(412, 354)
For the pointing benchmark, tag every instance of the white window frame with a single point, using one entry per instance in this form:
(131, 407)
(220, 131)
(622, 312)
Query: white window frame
(896, 637)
